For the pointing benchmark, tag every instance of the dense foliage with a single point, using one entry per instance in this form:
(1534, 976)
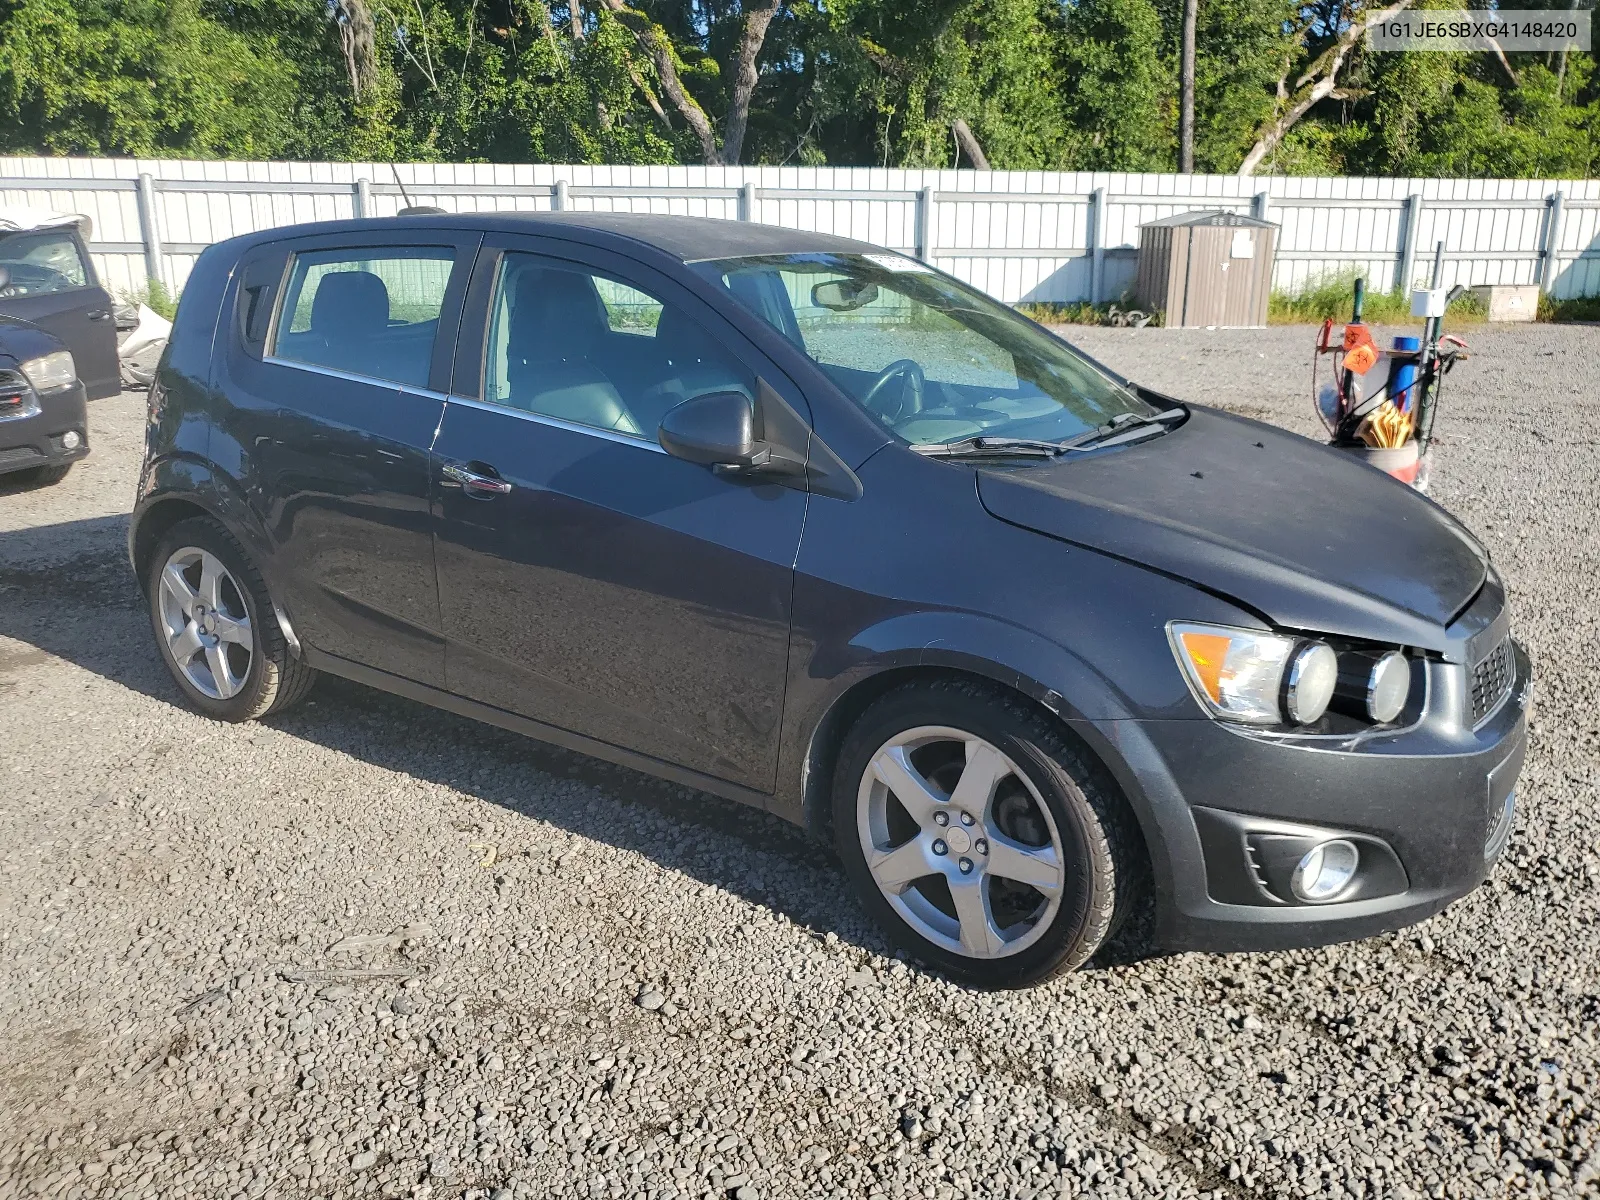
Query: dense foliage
(1062, 84)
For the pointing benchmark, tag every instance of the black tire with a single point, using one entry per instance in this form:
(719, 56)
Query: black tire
(1101, 851)
(43, 476)
(276, 679)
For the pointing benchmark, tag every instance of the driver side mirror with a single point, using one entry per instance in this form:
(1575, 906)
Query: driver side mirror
(715, 430)
(718, 430)
(5, 277)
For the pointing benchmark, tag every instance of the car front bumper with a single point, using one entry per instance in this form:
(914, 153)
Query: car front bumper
(34, 438)
(1430, 807)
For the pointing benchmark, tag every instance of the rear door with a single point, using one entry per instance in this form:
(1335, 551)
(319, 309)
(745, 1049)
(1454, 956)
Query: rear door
(587, 579)
(336, 374)
(52, 283)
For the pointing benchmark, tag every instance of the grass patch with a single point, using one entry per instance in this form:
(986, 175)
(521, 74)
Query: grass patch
(1580, 308)
(1332, 296)
(154, 295)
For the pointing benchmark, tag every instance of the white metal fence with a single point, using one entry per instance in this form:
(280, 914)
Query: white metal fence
(1019, 235)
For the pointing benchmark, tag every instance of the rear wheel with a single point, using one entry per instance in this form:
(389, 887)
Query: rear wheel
(215, 627)
(981, 837)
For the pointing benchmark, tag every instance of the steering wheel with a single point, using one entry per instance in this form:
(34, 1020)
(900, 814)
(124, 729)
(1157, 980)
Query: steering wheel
(913, 387)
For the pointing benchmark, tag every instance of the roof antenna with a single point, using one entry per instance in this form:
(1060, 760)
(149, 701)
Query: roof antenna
(403, 195)
(411, 210)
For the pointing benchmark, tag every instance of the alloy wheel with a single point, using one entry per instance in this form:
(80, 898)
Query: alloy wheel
(960, 842)
(205, 622)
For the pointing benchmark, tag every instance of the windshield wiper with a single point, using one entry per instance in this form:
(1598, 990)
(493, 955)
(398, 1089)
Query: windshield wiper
(990, 447)
(1124, 427)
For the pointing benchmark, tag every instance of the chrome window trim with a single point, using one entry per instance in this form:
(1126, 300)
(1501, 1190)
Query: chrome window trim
(352, 377)
(610, 435)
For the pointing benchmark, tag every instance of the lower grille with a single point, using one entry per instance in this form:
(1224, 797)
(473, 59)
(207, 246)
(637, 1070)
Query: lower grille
(1500, 818)
(1491, 680)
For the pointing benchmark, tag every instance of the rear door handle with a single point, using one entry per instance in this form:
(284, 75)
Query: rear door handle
(98, 314)
(474, 483)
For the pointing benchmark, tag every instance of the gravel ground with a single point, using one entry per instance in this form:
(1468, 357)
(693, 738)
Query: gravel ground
(373, 949)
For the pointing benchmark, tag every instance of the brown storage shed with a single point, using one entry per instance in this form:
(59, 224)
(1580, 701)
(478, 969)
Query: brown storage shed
(1206, 269)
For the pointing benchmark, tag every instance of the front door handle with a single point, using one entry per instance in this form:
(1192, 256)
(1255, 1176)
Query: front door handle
(98, 314)
(474, 483)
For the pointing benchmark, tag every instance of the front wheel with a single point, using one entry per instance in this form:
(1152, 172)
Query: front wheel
(215, 627)
(980, 836)
(41, 476)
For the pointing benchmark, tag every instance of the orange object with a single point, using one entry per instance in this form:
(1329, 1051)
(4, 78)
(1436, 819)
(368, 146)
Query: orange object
(1359, 351)
(1208, 651)
(1360, 359)
(1356, 335)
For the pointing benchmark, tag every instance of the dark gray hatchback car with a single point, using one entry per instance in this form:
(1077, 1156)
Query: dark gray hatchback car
(805, 523)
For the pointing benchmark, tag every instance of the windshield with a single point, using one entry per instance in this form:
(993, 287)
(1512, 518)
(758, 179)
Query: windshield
(934, 360)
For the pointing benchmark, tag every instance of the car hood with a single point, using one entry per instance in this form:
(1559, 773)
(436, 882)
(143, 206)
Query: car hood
(1308, 537)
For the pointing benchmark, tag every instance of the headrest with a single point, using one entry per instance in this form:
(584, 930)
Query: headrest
(555, 315)
(681, 338)
(350, 302)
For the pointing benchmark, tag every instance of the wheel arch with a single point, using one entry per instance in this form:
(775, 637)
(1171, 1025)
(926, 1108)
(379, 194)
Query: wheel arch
(177, 488)
(152, 524)
(828, 734)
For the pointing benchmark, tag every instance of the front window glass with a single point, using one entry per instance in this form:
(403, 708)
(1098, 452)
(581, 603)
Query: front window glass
(932, 359)
(584, 348)
(372, 311)
(42, 262)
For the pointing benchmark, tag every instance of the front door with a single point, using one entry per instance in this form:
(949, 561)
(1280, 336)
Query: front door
(51, 282)
(336, 386)
(586, 578)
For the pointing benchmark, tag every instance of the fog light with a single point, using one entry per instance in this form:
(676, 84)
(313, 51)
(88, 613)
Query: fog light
(1325, 871)
(1388, 686)
(70, 440)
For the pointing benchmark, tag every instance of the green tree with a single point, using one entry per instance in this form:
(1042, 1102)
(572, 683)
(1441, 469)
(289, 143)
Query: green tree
(139, 77)
(1116, 87)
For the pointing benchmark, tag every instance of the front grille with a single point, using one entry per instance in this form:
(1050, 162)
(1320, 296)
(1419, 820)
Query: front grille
(16, 396)
(1491, 680)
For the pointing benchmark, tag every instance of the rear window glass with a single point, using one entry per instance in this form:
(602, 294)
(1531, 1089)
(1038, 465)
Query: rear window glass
(369, 311)
(42, 262)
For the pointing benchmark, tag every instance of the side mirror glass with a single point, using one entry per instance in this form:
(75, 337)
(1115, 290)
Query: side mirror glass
(843, 295)
(5, 277)
(717, 429)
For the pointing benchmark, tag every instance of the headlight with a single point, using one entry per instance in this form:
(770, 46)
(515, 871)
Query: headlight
(1388, 687)
(1313, 674)
(1253, 677)
(51, 371)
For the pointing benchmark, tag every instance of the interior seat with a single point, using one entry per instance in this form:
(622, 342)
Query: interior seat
(350, 318)
(691, 364)
(555, 329)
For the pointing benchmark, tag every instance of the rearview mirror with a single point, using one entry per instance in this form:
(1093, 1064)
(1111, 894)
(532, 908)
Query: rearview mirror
(717, 429)
(843, 295)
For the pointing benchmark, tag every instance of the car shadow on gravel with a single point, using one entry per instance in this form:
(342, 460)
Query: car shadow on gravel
(87, 610)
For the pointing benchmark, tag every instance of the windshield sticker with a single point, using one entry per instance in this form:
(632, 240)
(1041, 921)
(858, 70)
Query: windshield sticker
(898, 262)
